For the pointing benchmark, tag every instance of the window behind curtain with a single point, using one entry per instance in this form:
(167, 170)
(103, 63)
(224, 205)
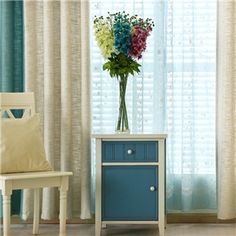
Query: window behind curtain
(174, 93)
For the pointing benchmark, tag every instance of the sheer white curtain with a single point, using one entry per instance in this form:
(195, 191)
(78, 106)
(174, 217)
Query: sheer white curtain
(174, 93)
(57, 71)
(190, 104)
(226, 112)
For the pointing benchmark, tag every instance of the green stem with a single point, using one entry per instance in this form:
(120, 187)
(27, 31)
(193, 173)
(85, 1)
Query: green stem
(122, 124)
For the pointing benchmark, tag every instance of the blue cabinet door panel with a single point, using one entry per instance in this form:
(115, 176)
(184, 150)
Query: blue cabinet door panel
(129, 151)
(126, 193)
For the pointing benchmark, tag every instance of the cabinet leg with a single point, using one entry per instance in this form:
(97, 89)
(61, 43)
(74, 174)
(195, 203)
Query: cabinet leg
(161, 228)
(98, 228)
(6, 214)
(104, 226)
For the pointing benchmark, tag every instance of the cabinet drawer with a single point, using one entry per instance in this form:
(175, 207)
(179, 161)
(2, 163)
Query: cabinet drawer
(129, 193)
(129, 151)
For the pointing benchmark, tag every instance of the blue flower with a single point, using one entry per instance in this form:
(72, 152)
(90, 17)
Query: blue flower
(122, 34)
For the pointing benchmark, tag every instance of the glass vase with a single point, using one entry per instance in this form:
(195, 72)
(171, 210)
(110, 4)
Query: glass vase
(122, 123)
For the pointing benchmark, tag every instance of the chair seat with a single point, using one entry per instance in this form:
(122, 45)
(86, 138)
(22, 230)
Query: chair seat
(32, 175)
(34, 180)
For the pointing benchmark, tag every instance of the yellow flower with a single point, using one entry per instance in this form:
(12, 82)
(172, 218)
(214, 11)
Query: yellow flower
(105, 38)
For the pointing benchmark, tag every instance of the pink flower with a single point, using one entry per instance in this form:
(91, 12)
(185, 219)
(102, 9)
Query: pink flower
(138, 42)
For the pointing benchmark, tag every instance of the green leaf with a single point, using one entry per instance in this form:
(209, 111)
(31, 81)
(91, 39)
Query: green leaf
(106, 66)
(121, 65)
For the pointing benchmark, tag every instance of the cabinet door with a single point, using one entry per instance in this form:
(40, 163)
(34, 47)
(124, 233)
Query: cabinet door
(129, 193)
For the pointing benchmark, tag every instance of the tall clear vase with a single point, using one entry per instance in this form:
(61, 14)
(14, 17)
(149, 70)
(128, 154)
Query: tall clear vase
(122, 123)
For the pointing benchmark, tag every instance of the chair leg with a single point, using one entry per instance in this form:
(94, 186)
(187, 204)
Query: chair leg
(6, 214)
(63, 206)
(36, 211)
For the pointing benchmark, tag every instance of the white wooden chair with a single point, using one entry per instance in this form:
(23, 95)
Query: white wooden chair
(35, 180)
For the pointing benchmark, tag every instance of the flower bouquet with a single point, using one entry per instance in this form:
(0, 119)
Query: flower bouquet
(122, 40)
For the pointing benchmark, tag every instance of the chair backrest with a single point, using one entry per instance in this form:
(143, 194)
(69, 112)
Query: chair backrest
(10, 102)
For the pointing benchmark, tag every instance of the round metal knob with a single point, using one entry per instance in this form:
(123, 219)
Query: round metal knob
(130, 151)
(152, 188)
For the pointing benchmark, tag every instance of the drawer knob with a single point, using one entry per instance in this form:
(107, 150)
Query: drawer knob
(152, 188)
(130, 152)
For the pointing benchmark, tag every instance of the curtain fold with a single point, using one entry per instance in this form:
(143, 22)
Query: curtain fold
(57, 70)
(12, 60)
(11, 50)
(226, 109)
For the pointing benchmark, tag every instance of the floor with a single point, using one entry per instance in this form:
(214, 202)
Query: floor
(172, 230)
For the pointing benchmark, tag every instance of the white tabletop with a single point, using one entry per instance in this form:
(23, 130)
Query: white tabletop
(130, 136)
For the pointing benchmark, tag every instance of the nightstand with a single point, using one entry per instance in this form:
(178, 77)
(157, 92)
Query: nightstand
(130, 179)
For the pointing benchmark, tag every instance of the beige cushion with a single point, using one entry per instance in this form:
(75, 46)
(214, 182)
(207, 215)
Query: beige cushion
(21, 146)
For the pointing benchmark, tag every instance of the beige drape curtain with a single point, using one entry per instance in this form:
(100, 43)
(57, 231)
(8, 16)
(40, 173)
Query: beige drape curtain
(226, 109)
(57, 71)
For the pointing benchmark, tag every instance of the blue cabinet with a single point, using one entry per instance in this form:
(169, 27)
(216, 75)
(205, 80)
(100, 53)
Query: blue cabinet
(130, 180)
(129, 193)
